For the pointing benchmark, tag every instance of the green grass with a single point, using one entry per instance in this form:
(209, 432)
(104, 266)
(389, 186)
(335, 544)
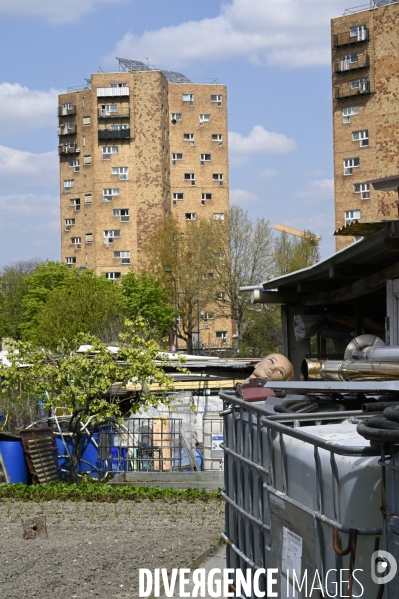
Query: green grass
(99, 492)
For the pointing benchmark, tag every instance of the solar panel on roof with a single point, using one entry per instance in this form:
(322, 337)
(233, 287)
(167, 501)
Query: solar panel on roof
(137, 65)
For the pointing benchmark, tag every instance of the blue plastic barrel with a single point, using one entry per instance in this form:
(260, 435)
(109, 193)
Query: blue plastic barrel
(90, 455)
(14, 461)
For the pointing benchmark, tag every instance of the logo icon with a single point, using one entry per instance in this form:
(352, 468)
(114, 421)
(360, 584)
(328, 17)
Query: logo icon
(383, 567)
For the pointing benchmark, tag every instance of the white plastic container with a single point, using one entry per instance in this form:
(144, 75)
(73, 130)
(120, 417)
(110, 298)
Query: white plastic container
(359, 498)
(213, 438)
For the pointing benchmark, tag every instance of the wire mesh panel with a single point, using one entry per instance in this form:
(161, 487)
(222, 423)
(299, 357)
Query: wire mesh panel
(147, 445)
(295, 495)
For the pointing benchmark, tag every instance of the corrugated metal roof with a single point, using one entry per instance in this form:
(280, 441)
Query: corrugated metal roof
(361, 228)
(371, 254)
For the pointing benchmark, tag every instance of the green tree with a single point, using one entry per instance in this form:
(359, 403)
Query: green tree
(145, 296)
(183, 257)
(83, 382)
(43, 280)
(86, 304)
(262, 334)
(293, 253)
(13, 288)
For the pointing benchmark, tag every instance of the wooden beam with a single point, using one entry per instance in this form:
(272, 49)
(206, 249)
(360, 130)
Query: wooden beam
(307, 287)
(356, 289)
(348, 271)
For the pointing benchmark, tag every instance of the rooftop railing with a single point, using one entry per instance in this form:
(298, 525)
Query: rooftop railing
(370, 6)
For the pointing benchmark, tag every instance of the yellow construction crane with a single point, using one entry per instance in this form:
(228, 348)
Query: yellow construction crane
(297, 232)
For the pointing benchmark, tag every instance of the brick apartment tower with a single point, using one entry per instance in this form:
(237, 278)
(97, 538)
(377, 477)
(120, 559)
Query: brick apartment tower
(365, 75)
(136, 145)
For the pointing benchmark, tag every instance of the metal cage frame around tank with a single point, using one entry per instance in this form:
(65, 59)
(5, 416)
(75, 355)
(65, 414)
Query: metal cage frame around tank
(249, 483)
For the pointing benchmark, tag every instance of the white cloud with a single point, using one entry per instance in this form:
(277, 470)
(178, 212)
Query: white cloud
(268, 173)
(317, 192)
(23, 212)
(23, 109)
(293, 33)
(26, 169)
(54, 12)
(260, 141)
(241, 197)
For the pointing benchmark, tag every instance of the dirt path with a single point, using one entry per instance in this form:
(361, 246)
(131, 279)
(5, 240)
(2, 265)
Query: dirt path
(96, 549)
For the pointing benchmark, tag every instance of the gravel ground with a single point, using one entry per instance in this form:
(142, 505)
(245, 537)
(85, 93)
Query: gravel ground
(96, 549)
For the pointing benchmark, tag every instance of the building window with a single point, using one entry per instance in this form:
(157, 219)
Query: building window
(347, 60)
(113, 275)
(87, 160)
(360, 84)
(76, 241)
(190, 216)
(359, 31)
(189, 137)
(205, 197)
(177, 197)
(350, 164)
(204, 118)
(218, 216)
(108, 150)
(348, 112)
(86, 121)
(222, 336)
(123, 214)
(205, 158)
(109, 193)
(189, 98)
(176, 116)
(218, 177)
(89, 237)
(70, 260)
(75, 164)
(88, 198)
(176, 156)
(118, 85)
(217, 98)
(351, 215)
(119, 127)
(75, 203)
(124, 257)
(122, 171)
(69, 222)
(68, 184)
(190, 177)
(361, 136)
(110, 235)
(363, 189)
(108, 109)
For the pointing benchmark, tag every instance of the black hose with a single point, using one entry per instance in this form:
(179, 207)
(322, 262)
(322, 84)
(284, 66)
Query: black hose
(378, 406)
(382, 429)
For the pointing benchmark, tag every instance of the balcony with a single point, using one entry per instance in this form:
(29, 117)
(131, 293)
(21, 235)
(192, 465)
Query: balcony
(345, 65)
(64, 150)
(346, 39)
(62, 111)
(122, 112)
(112, 92)
(64, 130)
(120, 134)
(347, 91)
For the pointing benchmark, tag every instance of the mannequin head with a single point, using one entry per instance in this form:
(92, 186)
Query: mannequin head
(274, 367)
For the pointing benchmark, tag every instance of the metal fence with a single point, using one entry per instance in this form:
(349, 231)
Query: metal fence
(146, 445)
(272, 513)
(390, 510)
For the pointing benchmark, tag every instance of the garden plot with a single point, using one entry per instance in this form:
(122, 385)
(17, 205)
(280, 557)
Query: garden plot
(96, 549)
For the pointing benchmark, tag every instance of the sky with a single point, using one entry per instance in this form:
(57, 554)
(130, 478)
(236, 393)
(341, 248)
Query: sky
(274, 57)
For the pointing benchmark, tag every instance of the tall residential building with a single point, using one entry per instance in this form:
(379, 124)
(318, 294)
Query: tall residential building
(365, 58)
(136, 145)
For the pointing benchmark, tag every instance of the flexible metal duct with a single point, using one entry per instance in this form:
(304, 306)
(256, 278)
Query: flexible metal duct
(349, 370)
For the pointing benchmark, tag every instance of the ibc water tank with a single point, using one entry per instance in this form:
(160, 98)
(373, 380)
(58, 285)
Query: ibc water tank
(358, 501)
(213, 438)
